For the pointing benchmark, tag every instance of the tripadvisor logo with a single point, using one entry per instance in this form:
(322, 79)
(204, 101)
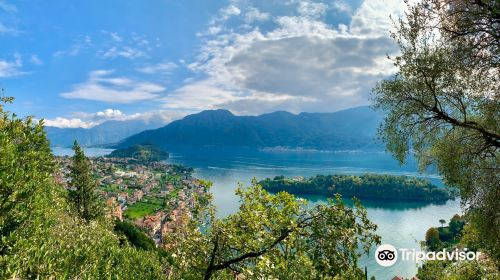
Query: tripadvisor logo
(387, 255)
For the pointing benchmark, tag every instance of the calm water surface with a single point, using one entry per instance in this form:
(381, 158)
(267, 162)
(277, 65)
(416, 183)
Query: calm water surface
(401, 224)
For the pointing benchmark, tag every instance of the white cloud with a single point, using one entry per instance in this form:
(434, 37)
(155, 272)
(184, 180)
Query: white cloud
(312, 9)
(8, 30)
(110, 113)
(36, 60)
(222, 16)
(79, 45)
(125, 51)
(11, 68)
(88, 120)
(162, 68)
(102, 87)
(198, 96)
(253, 14)
(68, 123)
(213, 30)
(116, 37)
(230, 11)
(342, 6)
(302, 64)
(130, 46)
(110, 45)
(372, 17)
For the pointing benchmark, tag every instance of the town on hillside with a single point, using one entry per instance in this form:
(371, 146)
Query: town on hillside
(156, 196)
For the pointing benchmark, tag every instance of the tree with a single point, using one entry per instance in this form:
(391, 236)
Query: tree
(447, 270)
(442, 222)
(432, 239)
(432, 270)
(443, 103)
(275, 237)
(25, 162)
(456, 224)
(82, 191)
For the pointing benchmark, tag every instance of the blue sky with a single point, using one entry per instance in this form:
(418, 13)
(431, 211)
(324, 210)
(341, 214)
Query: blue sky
(79, 63)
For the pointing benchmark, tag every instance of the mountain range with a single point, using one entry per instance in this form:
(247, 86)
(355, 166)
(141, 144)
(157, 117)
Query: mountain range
(104, 133)
(349, 129)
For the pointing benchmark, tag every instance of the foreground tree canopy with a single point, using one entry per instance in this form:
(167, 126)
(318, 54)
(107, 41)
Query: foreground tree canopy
(443, 102)
(48, 232)
(277, 237)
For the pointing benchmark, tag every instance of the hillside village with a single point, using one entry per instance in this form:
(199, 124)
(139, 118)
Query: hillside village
(157, 197)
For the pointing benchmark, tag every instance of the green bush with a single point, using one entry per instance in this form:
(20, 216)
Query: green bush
(134, 235)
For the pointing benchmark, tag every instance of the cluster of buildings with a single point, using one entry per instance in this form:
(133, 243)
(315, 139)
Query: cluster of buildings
(124, 182)
(176, 215)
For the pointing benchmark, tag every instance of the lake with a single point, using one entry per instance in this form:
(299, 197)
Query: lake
(401, 224)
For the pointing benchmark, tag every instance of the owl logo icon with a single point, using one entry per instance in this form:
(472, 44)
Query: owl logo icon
(386, 255)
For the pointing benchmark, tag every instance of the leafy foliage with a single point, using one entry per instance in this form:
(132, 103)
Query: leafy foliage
(25, 168)
(465, 270)
(134, 235)
(432, 239)
(275, 236)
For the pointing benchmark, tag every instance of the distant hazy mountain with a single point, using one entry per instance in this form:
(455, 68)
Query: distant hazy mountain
(105, 133)
(348, 129)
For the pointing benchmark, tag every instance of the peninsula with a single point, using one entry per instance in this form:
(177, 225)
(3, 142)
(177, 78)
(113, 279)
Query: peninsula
(141, 153)
(368, 186)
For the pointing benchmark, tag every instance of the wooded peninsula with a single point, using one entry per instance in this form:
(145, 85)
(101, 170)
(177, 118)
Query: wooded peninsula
(368, 186)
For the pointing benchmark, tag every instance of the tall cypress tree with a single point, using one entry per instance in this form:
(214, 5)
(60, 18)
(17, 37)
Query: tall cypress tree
(82, 192)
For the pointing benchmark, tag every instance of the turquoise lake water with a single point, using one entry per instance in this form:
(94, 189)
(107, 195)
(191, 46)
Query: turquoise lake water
(402, 225)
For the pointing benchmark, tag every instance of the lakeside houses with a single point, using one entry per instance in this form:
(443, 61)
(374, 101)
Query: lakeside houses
(155, 196)
(152, 223)
(136, 196)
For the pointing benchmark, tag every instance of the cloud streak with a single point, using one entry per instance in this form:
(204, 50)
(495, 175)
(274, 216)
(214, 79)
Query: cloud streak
(160, 68)
(101, 86)
(8, 30)
(88, 120)
(68, 123)
(11, 68)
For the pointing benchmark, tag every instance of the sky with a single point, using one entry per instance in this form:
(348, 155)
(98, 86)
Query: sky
(80, 63)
